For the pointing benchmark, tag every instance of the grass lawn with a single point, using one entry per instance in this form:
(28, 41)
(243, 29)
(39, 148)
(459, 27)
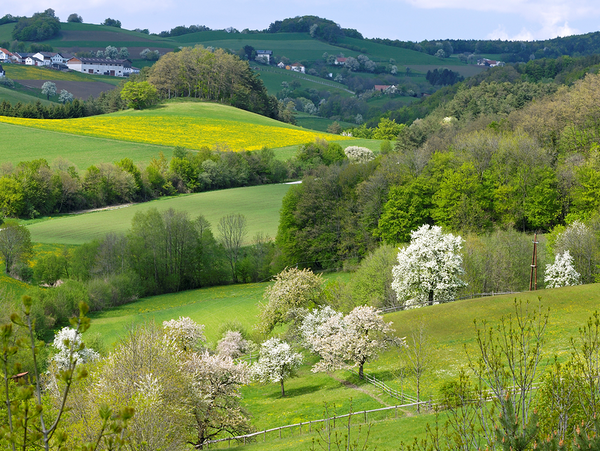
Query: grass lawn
(260, 205)
(318, 123)
(82, 151)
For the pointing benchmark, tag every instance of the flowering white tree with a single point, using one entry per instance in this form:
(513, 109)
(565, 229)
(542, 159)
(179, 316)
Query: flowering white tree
(216, 382)
(277, 362)
(561, 273)
(71, 349)
(353, 340)
(293, 289)
(429, 268)
(232, 344)
(185, 332)
(311, 330)
(358, 154)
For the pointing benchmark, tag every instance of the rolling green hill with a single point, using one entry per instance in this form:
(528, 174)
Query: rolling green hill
(13, 96)
(260, 205)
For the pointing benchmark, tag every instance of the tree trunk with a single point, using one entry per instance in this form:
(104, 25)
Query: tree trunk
(430, 297)
(361, 374)
(282, 389)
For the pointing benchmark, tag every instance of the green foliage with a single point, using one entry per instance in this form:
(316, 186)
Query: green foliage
(39, 27)
(139, 95)
(15, 245)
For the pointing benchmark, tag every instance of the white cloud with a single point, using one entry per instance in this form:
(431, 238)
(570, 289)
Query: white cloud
(552, 16)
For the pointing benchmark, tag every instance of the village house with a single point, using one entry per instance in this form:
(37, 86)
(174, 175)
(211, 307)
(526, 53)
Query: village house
(264, 55)
(297, 67)
(281, 65)
(340, 61)
(19, 57)
(489, 63)
(2, 73)
(5, 55)
(102, 66)
(32, 60)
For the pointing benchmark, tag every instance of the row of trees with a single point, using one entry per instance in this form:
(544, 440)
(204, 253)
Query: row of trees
(36, 187)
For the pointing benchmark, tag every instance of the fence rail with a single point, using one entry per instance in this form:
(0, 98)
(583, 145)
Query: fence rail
(309, 424)
(401, 396)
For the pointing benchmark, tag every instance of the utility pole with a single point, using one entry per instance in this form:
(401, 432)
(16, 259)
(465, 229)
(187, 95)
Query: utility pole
(533, 276)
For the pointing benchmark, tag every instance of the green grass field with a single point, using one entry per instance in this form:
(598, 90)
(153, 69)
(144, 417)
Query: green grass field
(383, 53)
(21, 72)
(260, 205)
(82, 151)
(13, 96)
(272, 78)
(6, 32)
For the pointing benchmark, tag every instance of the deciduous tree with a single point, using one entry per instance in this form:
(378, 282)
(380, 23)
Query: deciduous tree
(429, 268)
(277, 362)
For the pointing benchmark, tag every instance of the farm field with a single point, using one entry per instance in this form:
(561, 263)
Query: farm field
(191, 125)
(260, 205)
(272, 78)
(13, 96)
(21, 72)
(82, 151)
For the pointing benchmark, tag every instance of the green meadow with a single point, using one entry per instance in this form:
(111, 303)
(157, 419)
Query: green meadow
(260, 205)
(273, 77)
(14, 95)
(82, 151)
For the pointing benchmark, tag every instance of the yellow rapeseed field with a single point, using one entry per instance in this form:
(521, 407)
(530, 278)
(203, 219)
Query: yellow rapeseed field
(173, 130)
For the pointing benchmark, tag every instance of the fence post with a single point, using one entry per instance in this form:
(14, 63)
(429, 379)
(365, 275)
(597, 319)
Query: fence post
(396, 410)
(229, 442)
(310, 426)
(279, 432)
(365, 416)
(265, 436)
(301, 428)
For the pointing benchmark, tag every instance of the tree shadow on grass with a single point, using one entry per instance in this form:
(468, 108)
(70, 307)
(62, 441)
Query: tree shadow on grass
(298, 391)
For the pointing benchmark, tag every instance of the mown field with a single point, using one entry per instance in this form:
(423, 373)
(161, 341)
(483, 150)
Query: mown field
(21, 72)
(191, 125)
(82, 151)
(260, 205)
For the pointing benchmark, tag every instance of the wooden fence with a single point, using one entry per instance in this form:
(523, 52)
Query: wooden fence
(364, 414)
(401, 396)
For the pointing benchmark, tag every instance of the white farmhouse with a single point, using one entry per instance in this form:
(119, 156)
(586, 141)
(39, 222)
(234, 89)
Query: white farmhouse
(101, 66)
(5, 55)
(264, 55)
(2, 73)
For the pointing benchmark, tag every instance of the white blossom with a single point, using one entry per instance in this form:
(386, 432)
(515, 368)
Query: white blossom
(185, 332)
(358, 154)
(277, 362)
(311, 330)
(353, 340)
(232, 344)
(429, 268)
(71, 349)
(561, 273)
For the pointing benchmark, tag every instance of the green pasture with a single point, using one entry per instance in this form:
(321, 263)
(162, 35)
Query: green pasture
(260, 205)
(383, 53)
(6, 32)
(383, 434)
(318, 123)
(82, 151)
(15, 95)
(209, 306)
(21, 72)
(272, 78)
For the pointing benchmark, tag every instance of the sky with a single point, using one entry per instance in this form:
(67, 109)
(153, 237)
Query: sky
(407, 20)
